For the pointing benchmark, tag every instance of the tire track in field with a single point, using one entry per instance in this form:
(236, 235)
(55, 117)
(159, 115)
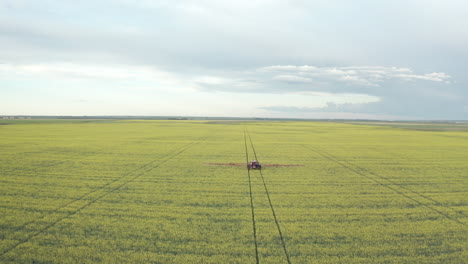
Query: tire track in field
(38, 167)
(62, 161)
(421, 196)
(134, 175)
(379, 180)
(278, 227)
(401, 185)
(251, 201)
(146, 167)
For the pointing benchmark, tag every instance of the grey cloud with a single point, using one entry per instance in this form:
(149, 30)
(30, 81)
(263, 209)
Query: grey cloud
(330, 107)
(231, 41)
(405, 108)
(290, 109)
(239, 34)
(373, 80)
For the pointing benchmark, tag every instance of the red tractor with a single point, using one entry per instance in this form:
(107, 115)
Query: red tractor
(254, 165)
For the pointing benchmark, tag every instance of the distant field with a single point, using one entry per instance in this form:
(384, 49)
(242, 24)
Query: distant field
(104, 191)
(422, 126)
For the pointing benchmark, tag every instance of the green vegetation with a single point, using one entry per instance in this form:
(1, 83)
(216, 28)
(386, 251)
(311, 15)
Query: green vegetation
(140, 192)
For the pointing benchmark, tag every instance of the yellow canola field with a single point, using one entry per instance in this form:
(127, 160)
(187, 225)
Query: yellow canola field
(94, 191)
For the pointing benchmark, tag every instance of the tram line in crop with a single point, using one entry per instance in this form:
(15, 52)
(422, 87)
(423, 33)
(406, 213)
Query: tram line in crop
(380, 180)
(251, 201)
(58, 162)
(143, 169)
(401, 186)
(128, 178)
(278, 227)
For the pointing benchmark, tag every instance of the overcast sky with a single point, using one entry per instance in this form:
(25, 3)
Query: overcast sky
(399, 59)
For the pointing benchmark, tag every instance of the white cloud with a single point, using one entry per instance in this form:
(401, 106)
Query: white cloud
(73, 70)
(291, 78)
(118, 75)
(352, 75)
(144, 78)
(285, 68)
(356, 80)
(435, 76)
(210, 80)
(307, 79)
(302, 91)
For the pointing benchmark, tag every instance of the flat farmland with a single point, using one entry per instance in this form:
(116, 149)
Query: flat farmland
(129, 191)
